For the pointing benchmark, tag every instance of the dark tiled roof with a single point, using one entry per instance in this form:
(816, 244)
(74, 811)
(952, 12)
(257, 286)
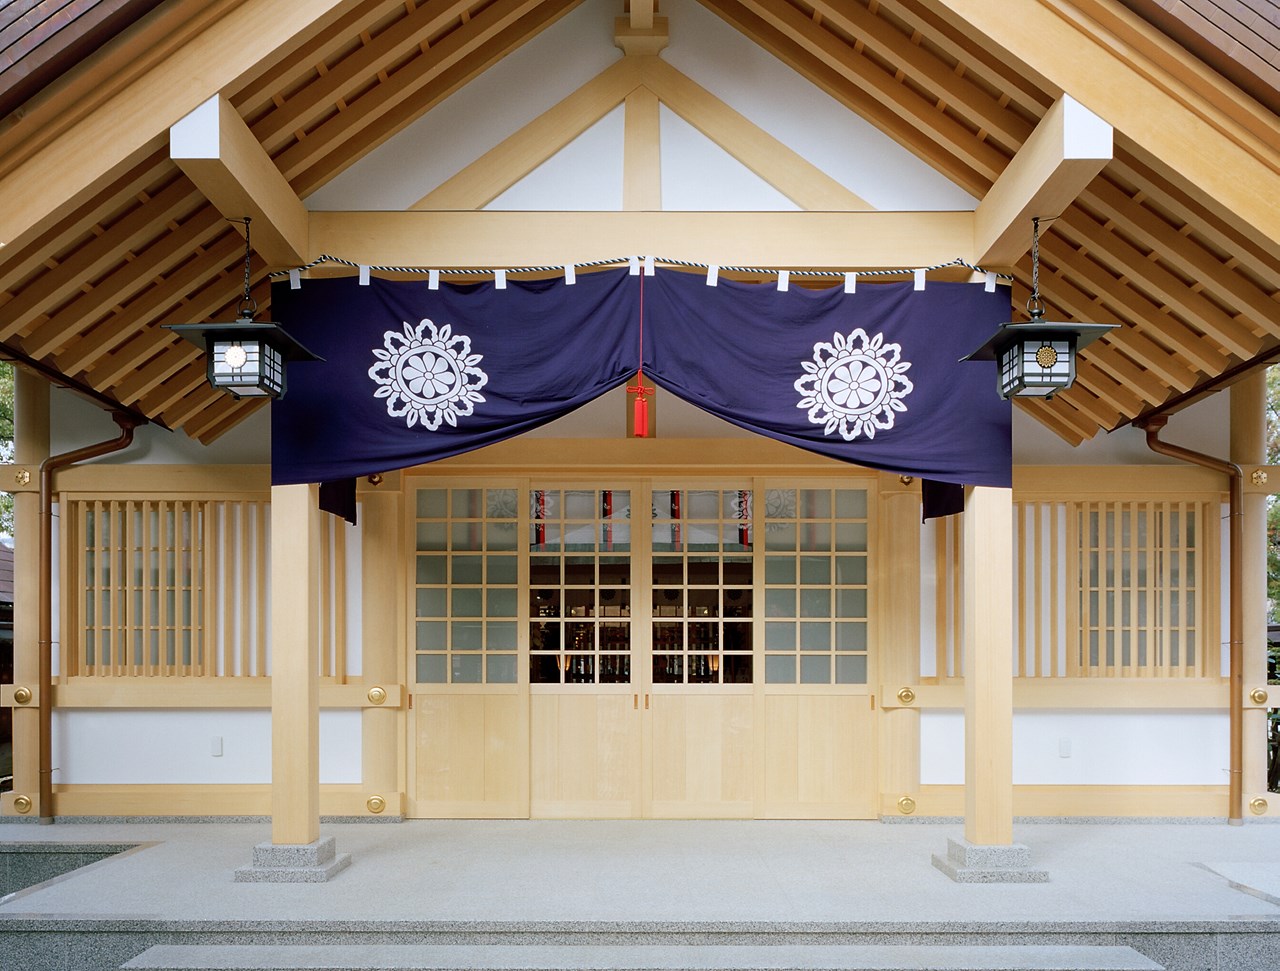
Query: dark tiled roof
(41, 39)
(1240, 39)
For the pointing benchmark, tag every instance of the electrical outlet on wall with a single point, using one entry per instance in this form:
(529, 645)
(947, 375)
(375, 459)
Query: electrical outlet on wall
(1064, 748)
(215, 746)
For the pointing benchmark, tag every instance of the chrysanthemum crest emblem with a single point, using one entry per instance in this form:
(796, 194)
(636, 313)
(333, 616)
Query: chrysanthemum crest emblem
(428, 375)
(854, 385)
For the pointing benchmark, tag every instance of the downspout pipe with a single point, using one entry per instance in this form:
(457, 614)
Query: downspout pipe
(48, 467)
(1152, 426)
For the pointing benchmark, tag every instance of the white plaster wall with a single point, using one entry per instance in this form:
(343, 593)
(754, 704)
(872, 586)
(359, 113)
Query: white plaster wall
(161, 747)
(1134, 747)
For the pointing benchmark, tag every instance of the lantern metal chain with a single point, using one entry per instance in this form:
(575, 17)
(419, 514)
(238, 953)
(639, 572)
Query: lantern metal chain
(1035, 306)
(248, 306)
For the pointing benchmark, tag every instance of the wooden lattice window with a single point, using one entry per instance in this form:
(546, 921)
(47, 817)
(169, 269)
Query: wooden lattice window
(179, 588)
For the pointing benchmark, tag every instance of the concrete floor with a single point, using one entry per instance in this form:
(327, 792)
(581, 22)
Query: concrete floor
(666, 871)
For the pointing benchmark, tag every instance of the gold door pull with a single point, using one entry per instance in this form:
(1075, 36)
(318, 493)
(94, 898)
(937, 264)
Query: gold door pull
(635, 701)
(646, 702)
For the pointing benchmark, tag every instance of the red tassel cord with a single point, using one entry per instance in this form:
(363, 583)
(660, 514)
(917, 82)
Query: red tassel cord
(640, 414)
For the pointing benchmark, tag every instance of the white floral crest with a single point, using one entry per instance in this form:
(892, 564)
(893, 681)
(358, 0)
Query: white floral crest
(854, 385)
(428, 375)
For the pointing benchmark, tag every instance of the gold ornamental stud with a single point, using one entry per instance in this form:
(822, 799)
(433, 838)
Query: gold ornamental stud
(377, 694)
(24, 476)
(1258, 806)
(906, 805)
(22, 695)
(906, 695)
(1258, 477)
(906, 479)
(1258, 696)
(22, 804)
(375, 478)
(376, 804)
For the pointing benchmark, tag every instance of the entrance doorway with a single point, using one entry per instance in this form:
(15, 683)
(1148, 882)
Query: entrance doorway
(645, 649)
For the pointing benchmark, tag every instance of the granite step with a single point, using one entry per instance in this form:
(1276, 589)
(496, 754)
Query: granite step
(501, 957)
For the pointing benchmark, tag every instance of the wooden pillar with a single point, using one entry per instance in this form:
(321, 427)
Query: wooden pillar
(1248, 447)
(31, 447)
(295, 679)
(899, 661)
(381, 561)
(988, 666)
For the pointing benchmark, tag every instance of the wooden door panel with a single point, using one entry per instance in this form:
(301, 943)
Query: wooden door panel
(703, 756)
(585, 754)
(819, 757)
(472, 755)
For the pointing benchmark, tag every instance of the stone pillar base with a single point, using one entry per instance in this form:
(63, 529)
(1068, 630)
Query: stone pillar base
(967, 862)
(294, 863)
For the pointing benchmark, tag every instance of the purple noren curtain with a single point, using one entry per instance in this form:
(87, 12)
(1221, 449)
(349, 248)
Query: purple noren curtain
(412, 374)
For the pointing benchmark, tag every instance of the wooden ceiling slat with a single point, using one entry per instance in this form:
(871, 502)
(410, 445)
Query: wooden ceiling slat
(1068, 424)
(926, 70)
(1145, 385)
(837, 85)
(1263, 263)
(986, 159)
(323, 161)
(1089, 405)
(1108, 389)
(1182, 253)
(171, 360)
(217, 418)
(976, 59)
(19, 263)
(1138, 346)
(362, 65)
(150, 262)
(1141, 312)
(184, 396)
(256, 96)
(174, 202)
(1230, 333)
(400, 87)
(200, 287)
(126, 358)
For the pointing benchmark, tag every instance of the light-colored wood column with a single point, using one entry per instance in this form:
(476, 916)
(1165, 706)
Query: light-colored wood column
(382, 559)
(899, 644)
(31, 447)
(1248, 447)
(295, 678)
(988, 666)
(642, 152)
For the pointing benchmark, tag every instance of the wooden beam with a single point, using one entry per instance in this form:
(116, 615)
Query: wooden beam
(642, 152)
(838, 240)
(645, 41)
(81, 160)
(642, 13)
(216, 150)
(988, 666)
(1067, 423)
(794, 176)
(1234, 171)
(1069, 147)
(295, 682)
(519, 154)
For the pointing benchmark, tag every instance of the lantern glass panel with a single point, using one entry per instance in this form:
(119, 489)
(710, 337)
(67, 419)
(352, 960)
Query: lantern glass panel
(1037, 367)
(246, 368)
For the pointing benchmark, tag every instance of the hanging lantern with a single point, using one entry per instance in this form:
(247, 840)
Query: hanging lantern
(1036, 358)
(246, 356)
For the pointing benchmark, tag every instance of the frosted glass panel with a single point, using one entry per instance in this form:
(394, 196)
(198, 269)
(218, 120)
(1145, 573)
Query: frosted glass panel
(432, 669)
(779, 669)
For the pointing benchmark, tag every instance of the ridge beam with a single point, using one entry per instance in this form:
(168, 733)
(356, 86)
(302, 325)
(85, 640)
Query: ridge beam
(1064, 153)
(218, 152)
